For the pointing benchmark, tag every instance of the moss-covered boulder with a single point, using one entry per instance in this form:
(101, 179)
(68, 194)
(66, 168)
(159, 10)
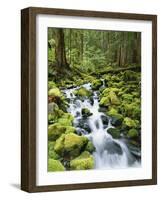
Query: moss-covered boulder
(105, 101)
(133, 133)
(132, 110)
(51, 85)
(70, 144)
(114, 132)
(109, 97)
(113, 98)
(83, 92)
(82, 162)
(57, 129)
(116, 118)
(74, 143)
(96, 84)
(130, 123)
(55, 165)
(66, 119)
(59, 145)
(86, 112)
(51, 153)
(54, 92)
(90, 147)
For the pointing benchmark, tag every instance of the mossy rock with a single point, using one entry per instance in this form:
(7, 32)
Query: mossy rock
(86, 112)
(82, 162)
(90, 147)
(83, 92)
(53, 108)
(130, 123)
(54, 92)
(110, 89)
(73, 142)
(114, 132)
(132, 110)
(116, 118)
(51, 153)
(70, 144)
(55, 165)
(51, 85)
(133, 133)
(57, 129)
(105, 101)
(66, 119)
(96, 84)
(113, 98)
(59, 145)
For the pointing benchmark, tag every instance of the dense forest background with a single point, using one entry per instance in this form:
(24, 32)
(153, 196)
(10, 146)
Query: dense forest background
(90, 50)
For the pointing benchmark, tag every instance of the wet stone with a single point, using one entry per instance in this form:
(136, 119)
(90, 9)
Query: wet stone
(105, 120)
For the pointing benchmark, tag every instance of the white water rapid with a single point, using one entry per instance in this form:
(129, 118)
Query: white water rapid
(110, 152)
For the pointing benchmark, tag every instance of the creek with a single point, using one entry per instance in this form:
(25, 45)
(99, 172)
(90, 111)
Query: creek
(109, 152)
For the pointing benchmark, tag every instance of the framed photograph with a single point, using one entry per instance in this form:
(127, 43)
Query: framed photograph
(89, 99)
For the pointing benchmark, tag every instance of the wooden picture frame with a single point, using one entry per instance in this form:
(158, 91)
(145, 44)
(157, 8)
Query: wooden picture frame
(28, 98)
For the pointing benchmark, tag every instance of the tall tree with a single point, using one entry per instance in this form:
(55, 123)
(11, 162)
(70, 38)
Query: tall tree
(60, 55)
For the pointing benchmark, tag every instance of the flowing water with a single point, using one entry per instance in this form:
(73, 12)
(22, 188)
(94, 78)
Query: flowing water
(109, 152)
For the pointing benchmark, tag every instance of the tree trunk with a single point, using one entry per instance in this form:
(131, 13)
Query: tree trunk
(60, 55)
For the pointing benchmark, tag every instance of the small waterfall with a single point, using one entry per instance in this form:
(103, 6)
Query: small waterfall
(110, 152)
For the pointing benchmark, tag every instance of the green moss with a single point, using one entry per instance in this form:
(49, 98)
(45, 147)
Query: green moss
(90, 147)
(117, 118)
(83, 92)
(104, 101)
(127, 97)
(112, 112)
(96, 84)
(51, 153)
(66, 119)
(86, 112)
(54, 92)
(73, 141)
(57, 129)
(130, 75)
(55, 165)
(132, 133)
(132, 110)
(113, 98)
(51, 85)
(82, 162)
(51, 118)
(130, 123)
(114, 132)
(59, 145)
(70, 144)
